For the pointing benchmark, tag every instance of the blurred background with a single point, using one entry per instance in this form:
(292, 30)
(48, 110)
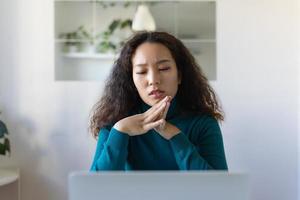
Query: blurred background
(88, 34)
(55, 56)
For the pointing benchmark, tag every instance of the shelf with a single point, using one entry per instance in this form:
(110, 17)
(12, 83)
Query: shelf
(90, 55)
(8, 176)
(194, 23)
(57, 40)
(198, 40)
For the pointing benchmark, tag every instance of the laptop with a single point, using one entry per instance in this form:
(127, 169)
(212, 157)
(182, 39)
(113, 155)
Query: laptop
(170, 185)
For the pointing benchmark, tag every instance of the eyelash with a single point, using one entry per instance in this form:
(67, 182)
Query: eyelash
(162, 69)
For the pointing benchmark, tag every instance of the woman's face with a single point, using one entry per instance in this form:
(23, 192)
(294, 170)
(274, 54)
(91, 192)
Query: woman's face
(154, 72)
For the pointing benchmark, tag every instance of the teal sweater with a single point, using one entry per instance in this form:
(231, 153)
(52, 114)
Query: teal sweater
(199, 146)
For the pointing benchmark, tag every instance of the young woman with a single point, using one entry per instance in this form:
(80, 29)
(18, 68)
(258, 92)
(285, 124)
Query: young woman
(157, 111)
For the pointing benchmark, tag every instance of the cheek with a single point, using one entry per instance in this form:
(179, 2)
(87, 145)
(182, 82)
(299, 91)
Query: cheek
(174, 82)
(139, 83)
(173, 78)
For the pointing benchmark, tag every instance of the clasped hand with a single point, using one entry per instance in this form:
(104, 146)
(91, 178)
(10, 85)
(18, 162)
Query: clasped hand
(153, 118)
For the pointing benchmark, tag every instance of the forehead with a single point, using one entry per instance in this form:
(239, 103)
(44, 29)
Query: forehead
(150, 53)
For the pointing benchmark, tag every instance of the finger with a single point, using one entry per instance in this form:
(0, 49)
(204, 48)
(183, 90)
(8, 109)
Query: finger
(155, 114)
(152, 125)
(166, 110)
(161, 126)
(163, 114)
(157, 105)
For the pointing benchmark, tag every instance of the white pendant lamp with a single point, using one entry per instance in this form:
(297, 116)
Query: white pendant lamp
(143, 20)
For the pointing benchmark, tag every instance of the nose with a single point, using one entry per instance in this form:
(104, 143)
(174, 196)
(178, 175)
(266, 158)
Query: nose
(153, 77)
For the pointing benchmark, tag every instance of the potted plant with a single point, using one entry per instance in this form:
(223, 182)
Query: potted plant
(119, 29)
(89, 39)
(4, 141)
(72, 41)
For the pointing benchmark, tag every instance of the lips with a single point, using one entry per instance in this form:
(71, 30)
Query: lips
(157, 94)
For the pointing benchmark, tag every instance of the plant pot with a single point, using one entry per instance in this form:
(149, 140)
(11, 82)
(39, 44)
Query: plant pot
(89, 48)
(72, 48)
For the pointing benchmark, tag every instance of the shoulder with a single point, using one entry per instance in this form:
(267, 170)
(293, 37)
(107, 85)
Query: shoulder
(204, 120)
(104, 131)
(204, 125)
(107, 127)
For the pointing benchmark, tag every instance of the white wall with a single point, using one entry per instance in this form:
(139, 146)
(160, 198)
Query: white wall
(7, 49)
(257, 81)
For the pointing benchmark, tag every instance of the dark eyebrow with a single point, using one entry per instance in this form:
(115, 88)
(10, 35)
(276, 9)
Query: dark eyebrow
(140, 65)
(158, 62)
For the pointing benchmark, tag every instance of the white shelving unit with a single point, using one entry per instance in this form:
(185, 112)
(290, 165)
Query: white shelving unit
(90, 55)
(198, 40)
(192, 22)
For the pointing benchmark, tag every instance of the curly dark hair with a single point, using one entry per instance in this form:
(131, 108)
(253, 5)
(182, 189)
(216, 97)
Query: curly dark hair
(120, 97)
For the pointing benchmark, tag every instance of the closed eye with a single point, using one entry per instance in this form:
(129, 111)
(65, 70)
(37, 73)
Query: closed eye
(140, 72)
(160, 69)
(164, 69)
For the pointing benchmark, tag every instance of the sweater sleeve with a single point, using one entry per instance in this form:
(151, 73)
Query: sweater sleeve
(205, 152)
(111, 151)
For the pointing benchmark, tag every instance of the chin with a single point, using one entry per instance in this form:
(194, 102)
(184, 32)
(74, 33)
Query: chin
(151, 101)
(155, 101)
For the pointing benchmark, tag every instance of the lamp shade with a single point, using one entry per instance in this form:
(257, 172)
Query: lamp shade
(143, 20)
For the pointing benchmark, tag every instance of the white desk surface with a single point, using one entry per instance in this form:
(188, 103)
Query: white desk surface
(8, 176)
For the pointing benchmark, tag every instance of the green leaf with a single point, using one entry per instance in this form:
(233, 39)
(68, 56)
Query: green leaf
(62, 35)
(114, 25)
(126, 4)
(126, 23)
(2, 149)
(86, 34)
(112, 46)
(7, 145)
(105, 46)
(106, 34)
(3, 129)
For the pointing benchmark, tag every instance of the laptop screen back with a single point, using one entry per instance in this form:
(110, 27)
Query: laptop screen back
(158, 186)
